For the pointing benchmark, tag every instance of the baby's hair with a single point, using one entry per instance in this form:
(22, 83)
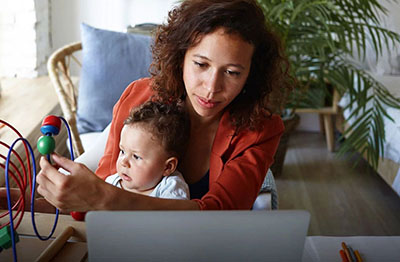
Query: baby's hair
(168, 123)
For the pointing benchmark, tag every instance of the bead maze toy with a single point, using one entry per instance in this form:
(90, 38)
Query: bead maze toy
(46, 144)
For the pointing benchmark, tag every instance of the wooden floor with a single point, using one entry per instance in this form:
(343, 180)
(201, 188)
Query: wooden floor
(343, 201)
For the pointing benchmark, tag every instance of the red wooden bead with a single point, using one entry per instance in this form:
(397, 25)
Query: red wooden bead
(52, 120)
(79, 216)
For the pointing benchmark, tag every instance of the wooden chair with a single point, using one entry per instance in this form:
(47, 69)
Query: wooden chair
(59, 68)
(326, 122)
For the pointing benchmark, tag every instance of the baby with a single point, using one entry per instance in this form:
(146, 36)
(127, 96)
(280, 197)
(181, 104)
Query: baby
(153, 138)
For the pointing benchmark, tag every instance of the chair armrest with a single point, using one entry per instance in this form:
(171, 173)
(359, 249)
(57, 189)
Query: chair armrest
(263, 202)
(267, 199)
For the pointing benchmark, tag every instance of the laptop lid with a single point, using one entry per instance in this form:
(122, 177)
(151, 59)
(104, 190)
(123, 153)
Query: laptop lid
(196, 235)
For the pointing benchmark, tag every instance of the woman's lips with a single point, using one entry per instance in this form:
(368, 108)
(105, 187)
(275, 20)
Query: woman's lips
(206, 103)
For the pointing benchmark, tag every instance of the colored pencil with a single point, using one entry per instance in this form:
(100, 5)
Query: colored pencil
(346, 251)
(343, 255)
(358, 256)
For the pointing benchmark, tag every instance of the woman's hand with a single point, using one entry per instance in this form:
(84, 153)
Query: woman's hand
(75, 192)
(83, 191)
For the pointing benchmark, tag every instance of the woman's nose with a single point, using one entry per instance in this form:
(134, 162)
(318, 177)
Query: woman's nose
(213, 83)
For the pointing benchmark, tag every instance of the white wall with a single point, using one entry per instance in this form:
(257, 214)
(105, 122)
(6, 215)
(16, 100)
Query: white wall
(30, 30)
(24, 37)
(393, 13)
(116, 15)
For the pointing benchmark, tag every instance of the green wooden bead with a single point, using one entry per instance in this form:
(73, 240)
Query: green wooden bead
(46, 145)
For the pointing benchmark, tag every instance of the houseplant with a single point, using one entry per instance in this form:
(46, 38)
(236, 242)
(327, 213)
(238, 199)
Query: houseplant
(320, 37)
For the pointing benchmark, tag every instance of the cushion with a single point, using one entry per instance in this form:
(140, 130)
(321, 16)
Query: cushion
(110, 61)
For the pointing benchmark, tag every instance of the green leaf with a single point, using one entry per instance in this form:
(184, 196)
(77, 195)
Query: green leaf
(319, 37)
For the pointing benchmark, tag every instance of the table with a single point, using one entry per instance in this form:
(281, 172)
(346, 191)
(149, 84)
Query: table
(30, 247)
(371, 248)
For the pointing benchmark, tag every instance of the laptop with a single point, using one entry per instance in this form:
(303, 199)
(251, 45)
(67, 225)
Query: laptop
(196, 235)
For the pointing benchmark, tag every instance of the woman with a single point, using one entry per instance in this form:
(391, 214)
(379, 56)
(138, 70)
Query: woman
(227, 67)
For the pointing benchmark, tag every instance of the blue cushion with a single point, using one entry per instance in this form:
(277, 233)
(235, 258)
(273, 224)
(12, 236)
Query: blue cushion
(111, 60)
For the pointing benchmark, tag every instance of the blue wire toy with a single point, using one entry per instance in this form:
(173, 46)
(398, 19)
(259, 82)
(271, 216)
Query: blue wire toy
(45, 145)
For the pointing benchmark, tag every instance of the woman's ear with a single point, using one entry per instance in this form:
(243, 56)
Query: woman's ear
(170, 166)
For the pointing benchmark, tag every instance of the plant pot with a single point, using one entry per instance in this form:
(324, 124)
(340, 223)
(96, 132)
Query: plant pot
(290, 125)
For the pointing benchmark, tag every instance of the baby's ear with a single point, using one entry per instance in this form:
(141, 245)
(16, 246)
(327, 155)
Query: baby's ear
(170, 166)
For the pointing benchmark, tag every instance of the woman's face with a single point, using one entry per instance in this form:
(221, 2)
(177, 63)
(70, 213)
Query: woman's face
(215, 71)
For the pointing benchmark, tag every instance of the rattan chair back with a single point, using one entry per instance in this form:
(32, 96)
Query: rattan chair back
(59, 68)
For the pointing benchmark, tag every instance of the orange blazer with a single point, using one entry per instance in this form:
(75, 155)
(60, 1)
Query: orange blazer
(238, 162)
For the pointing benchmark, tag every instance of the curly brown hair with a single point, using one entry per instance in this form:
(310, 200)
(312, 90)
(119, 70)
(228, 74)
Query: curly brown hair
(169, 123)
(269, 80)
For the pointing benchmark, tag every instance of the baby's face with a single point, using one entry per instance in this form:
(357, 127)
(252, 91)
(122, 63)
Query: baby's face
(142, 159)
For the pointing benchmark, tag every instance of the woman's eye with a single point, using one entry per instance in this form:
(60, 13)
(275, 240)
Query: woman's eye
(201, 65)
(232, 73)
(136, 157)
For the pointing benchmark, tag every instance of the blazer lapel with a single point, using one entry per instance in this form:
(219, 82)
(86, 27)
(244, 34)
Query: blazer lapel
(223, 138)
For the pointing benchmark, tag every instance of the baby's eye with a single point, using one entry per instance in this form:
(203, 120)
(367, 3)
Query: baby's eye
(136, 157)
(122, 152)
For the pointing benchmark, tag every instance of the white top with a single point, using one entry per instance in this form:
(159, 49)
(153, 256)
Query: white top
(172, 186)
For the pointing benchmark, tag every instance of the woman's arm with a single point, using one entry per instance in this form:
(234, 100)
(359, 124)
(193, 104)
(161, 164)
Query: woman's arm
(82, 190)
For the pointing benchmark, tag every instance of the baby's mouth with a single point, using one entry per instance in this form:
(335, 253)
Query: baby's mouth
(125, 177)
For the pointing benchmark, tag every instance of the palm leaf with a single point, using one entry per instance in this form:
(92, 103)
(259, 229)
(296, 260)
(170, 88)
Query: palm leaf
(319, 37)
